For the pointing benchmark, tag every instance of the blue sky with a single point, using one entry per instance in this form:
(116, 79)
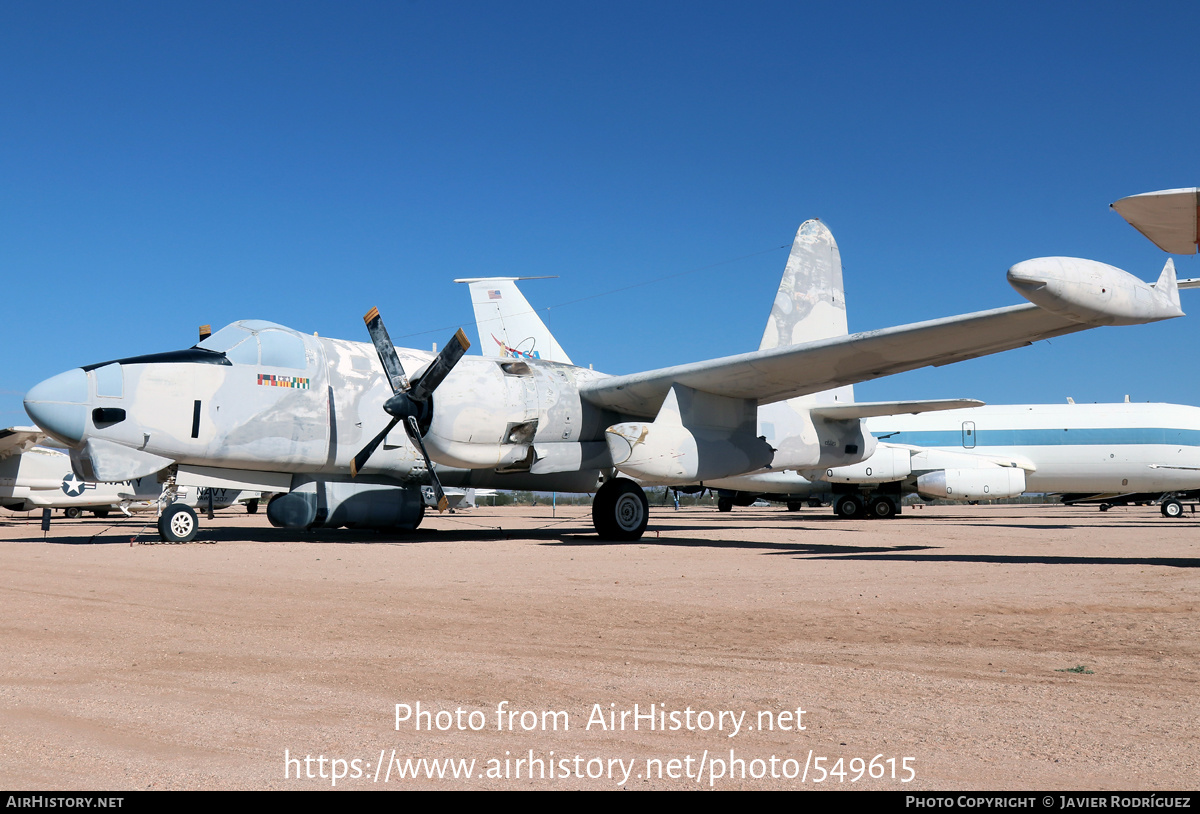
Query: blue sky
(167, 165)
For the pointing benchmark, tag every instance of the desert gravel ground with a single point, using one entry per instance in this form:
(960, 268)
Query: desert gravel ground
(946, 637)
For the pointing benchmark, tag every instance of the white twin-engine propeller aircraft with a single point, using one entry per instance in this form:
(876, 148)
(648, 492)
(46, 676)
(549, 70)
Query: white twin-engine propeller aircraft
(261, 407)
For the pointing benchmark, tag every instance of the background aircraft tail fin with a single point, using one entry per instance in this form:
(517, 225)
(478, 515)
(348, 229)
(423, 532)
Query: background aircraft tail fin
(508, 325)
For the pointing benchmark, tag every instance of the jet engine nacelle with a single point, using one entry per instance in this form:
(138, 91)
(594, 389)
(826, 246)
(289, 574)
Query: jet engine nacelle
(332, 504)
(886, 465)
(972, 484)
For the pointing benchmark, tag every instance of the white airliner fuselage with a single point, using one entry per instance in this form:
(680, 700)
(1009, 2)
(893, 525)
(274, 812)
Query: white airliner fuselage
(1100, 448)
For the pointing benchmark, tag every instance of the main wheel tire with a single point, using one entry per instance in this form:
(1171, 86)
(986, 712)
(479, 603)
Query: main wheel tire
(724, 503)
(74, 513)
(178, 524)
(252, 506)
(849, 507)
(100, 512)
(883, 508)
(794, 505)
(1105, 507)
(1172, 508)
(620, 510)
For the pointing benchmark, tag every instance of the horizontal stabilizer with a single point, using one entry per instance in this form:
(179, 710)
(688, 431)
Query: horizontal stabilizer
(1170, 218)
(868, 409)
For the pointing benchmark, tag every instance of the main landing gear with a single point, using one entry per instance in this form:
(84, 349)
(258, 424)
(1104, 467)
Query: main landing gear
(178, 524)
(620, 510)
(854, 507)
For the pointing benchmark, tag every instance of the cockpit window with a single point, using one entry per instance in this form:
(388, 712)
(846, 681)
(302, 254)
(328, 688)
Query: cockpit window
(241, 343)
(281, 349)
(225, 339)
(244, 352)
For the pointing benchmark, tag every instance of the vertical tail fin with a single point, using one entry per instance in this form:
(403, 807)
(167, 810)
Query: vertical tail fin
(811, 302)
(508, 325)
(1167, 285)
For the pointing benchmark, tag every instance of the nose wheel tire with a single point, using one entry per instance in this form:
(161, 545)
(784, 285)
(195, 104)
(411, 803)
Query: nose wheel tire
(620, 510)
(178, 524)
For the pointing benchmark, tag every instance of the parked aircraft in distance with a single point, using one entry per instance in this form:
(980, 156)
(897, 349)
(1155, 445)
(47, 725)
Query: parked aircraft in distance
(35, 477)
(1104, 452)
(263, 407)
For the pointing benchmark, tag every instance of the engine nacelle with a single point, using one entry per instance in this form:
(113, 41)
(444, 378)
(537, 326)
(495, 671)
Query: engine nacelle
(886, 465)
(696, 436)
(666, 454)
(972, 484)
(843, 442)
(332, 504)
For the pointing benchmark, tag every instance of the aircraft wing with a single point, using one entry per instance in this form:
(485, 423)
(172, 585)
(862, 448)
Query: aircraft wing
(786, 372)
(1169, 217)
(16, 440)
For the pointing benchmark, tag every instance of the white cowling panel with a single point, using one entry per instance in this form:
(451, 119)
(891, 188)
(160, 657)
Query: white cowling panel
(972, 484)
(695, 437)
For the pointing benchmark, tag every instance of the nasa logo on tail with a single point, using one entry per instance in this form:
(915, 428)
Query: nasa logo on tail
(514, 353)
(73, 486)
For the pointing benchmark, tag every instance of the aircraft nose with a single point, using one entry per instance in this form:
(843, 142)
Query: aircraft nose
(59, 405)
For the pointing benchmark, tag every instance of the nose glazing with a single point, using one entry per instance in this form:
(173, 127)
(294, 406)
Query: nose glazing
(59, 405)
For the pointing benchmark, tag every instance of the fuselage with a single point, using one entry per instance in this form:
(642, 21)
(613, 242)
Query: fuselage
(1123, 447)
(259, 396)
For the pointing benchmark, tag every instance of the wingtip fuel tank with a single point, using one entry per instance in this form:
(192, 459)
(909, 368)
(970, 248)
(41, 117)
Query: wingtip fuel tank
(1094, 293)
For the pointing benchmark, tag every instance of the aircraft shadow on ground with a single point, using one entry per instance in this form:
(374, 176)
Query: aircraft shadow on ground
(1002, 559)
(135, 531)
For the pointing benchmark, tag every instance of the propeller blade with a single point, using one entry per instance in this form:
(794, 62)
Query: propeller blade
(440, 367)
(414, 432)
(360, 460)
(387, 351)
(410, 400)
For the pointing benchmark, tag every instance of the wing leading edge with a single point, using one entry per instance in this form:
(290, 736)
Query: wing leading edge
(775, 374)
